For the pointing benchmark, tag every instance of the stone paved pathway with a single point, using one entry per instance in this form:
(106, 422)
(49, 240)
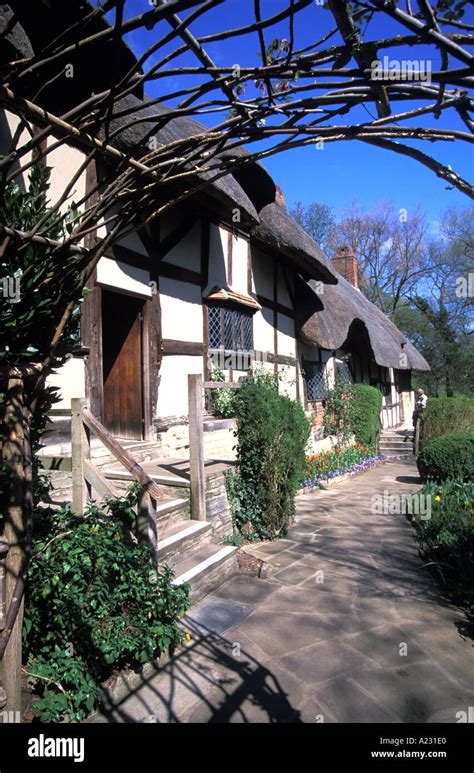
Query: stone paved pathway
(347, 626)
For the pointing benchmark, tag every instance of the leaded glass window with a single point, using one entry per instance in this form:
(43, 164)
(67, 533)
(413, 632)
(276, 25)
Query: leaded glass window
(316, 380)
(230, 329)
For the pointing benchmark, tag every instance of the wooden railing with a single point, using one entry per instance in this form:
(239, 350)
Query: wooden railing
(86, 476)
(196, 385)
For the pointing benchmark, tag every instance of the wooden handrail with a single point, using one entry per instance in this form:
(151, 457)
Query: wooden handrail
(133, 467)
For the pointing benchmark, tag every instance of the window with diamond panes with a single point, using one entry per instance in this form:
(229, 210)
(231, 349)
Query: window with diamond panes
(316, 380)
(343, 372)
(230, 329)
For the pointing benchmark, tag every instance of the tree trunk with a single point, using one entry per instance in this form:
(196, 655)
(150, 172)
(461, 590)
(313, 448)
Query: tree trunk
(14, 534)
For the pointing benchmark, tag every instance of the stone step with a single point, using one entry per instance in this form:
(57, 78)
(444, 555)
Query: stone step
(394, 457)
(205, 568)
(396, 446)
(179, 537)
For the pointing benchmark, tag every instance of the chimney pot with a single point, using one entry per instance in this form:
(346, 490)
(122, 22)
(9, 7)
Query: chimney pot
(279, 197)
(345, 262)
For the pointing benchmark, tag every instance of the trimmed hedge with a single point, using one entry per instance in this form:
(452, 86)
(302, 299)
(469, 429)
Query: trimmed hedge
(272, 432)
(446, 416)
(449, 456)
(365, 414)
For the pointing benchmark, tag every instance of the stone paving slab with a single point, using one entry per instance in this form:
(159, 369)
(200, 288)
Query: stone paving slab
(347, 626)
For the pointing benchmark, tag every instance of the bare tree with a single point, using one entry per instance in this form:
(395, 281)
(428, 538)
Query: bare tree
(318, 221)
(391, 251)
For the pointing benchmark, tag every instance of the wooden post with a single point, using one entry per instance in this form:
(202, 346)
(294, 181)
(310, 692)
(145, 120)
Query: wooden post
(80, 445)
(146, 522)
(416, 449)
(196, 447)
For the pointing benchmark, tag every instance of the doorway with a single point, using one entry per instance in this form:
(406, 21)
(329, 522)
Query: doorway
(122, 354)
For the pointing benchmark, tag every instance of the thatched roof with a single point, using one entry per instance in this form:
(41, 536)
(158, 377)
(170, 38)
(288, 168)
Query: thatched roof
(95, 66)
(14, 42)
(135, 137)
(325, 319)
(278, 229)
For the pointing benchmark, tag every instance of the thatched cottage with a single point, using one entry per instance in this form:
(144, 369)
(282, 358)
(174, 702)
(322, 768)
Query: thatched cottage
(226, 278)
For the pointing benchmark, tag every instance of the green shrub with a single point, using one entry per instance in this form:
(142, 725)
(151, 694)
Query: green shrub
(447, 537)
(445, 416)
(93, 606)
(222, 399)
(272, 432)
(338, 410)
(365, 414)
(449, 456)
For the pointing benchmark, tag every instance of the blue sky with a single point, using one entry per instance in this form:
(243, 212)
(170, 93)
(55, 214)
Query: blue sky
(342, 172)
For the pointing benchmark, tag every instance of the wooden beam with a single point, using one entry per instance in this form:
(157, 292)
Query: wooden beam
(196, 447)
(170, 271)
(193, 348)
(279, 307)
(279, 359)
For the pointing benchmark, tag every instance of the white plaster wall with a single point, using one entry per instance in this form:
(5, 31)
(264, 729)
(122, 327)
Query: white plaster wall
(8, 125)
(181, 310)
(283, 295)
(239, 264)
(286, 336)
(287, 380)
(187, 253)
(173, 387)
(133, 242)
(121, 276)
(262, 267)
(65, 162)
(70, 379)
(217, 256)
(263, 335)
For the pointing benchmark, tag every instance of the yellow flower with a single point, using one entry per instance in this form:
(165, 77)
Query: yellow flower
(188, 636)
(437, 499)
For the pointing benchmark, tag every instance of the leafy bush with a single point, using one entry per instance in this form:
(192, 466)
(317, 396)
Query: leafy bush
(222, 399)
(445, 416)
(449, 456)
(272, 432)
(447, 537)
(365, 414)
(338, 411)
(93, 606)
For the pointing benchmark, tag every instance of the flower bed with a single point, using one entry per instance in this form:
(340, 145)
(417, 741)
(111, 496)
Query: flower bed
(340, 461)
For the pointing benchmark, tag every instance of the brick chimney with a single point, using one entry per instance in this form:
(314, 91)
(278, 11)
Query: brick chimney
(345, 262)
(279, 197)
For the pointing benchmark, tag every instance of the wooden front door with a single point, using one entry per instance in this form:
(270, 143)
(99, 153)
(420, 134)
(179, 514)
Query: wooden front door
(122, 353)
